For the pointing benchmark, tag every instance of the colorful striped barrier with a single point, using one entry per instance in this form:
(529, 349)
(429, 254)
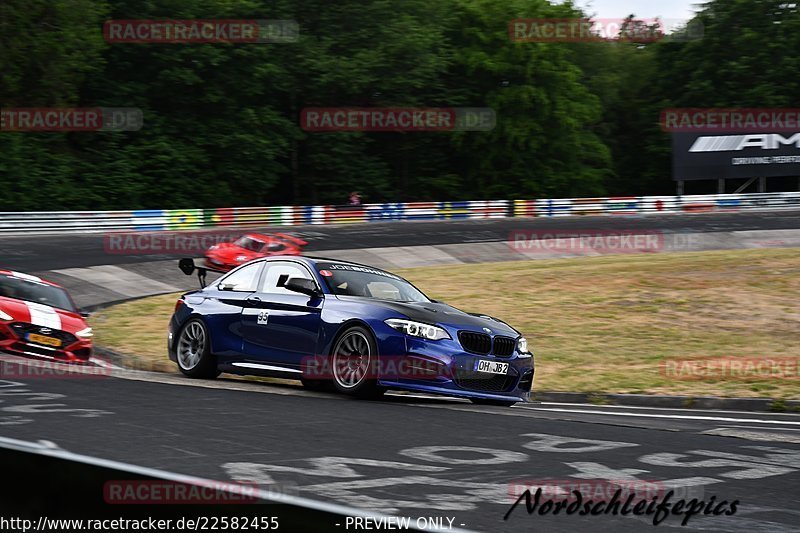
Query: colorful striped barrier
(252, 217)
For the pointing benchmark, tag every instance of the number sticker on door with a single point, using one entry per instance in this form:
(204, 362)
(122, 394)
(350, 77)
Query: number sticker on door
(263, 317)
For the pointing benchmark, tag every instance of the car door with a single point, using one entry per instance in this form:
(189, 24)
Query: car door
(226, 299)
(281, 326)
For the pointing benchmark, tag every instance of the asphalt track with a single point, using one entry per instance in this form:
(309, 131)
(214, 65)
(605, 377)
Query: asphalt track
(419, 456)
(51, 252)
(410, 455)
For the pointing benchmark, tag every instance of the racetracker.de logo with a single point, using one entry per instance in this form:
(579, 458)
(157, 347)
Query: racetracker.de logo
(574, 30)
(391, 367)
(36, 119)
(586, 241)
(164, 242)
(736, 368)
(12, 367)
(327, 119)
(600, 489)
(156, 491)
(730, 120)
(194, 31)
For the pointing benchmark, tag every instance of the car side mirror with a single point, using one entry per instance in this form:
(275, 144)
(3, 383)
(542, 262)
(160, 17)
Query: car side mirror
(303, 286)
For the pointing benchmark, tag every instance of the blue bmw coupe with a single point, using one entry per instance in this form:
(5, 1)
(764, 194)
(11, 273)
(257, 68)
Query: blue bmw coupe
(360, 329)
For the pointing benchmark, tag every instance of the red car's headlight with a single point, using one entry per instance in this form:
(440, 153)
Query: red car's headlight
(85, 333)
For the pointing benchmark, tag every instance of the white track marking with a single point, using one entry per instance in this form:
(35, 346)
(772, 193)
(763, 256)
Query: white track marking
(118, 279)
(643, 408)
(754, 435)
(679, 417)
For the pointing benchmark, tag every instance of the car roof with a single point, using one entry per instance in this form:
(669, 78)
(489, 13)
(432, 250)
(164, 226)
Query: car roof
(313, 260)
(257, 236)
(22, 275)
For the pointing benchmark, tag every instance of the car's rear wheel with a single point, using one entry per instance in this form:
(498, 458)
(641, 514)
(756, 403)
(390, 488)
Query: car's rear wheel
(353, 363)
(484, 401)
(194, 351)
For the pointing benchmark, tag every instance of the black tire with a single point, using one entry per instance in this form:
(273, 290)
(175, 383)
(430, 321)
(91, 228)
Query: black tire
(500, 403)
(193, 351)
(353, 362)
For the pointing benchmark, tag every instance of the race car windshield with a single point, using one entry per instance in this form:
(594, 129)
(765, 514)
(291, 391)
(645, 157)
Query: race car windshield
(34, 291)
(353, 280)
(248, 243)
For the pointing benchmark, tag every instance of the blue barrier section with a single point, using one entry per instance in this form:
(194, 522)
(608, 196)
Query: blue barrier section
(149, 220)
(729, 203)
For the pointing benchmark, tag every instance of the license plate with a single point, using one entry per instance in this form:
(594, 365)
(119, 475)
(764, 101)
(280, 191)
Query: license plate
(491, 367)
(43, 339)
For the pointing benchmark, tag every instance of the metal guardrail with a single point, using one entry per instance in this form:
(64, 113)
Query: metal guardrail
(50, 488)
(248, 217)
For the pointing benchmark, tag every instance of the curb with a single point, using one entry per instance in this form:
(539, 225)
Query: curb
(674, 402)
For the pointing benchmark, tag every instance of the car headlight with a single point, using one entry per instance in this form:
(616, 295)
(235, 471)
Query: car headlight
(85, 333)
(522, 345)
(418, 329)
(5, 316)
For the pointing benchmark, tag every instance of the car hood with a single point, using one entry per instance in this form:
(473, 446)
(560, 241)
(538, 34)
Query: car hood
(440, 313)
(230, 250)
(42, 315)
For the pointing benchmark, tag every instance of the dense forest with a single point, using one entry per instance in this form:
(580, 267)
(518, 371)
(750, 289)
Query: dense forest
(221, 121)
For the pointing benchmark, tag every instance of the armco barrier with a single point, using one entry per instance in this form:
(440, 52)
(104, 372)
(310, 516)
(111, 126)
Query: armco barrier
(249, 217)
(45, 485)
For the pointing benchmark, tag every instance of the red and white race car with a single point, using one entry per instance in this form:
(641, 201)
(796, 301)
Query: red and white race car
(228, 255)
(39, 318)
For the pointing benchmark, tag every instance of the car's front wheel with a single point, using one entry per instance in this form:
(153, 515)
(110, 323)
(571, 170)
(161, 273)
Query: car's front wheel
(194, 351)
(353, 363)
(484, 401)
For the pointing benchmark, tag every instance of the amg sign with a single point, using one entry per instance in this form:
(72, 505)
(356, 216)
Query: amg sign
(696, 157)
(728, 143)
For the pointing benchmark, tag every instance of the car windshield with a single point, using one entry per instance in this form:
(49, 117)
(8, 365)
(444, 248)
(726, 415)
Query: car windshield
(354, 280)
(273, 247)
(249, 243)
(35, 291)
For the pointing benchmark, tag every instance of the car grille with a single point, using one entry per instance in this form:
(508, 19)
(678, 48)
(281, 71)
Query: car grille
(21, 329)
(479, 343)
(477, 381)
(504, 346)
(36, 350)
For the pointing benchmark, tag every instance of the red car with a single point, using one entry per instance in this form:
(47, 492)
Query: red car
(228, 255)
(39, 318)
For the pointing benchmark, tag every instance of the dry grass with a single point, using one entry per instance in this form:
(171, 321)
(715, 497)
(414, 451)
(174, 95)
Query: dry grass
(602, 324)
(137, 329)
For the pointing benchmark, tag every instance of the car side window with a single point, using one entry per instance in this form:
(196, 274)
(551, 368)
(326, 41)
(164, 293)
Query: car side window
(274, 247)
(243, 280)
(278, 272)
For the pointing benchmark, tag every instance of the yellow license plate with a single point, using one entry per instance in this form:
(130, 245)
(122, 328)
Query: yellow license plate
(43, 339)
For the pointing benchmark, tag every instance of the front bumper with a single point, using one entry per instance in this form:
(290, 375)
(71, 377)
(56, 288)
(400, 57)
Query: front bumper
(444, 368)
(212, 262)
(75, 349)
